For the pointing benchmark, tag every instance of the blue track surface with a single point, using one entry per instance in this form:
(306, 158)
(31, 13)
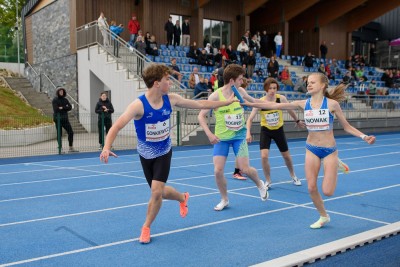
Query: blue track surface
(73, 210)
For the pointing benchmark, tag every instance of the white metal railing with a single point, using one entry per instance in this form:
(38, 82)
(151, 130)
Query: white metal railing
(133, 61)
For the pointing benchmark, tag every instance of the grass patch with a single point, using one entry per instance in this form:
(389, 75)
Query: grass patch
(16, 114)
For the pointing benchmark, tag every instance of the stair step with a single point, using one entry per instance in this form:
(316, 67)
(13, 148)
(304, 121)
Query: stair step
(39, 100)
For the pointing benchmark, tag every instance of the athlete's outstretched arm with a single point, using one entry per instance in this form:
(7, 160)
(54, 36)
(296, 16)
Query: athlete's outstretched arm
(370, 139)
(177, 100)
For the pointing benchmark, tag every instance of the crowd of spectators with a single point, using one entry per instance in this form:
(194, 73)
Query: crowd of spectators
(245, 55)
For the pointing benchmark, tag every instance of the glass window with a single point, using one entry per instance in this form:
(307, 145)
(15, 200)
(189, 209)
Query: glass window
(216, 33)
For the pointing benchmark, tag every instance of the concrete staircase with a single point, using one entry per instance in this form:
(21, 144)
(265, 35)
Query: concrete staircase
(39, 100)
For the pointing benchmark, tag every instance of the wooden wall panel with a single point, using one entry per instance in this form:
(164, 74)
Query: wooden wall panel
(300, 43)
(29, 39)
(72, 26)
(336, 38)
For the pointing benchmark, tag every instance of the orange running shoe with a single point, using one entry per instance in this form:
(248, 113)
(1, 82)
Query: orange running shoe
(183, 208)
(343, 167)
(145, 235)
(239, 176)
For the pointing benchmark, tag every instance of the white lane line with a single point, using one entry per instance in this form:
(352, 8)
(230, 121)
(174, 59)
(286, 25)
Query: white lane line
(92, 211)
(154, 235)
(170, 181)
(233, 191)
(136, 239)
(125, 174)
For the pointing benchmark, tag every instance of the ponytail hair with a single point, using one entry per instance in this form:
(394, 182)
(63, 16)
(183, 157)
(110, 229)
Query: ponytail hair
(338, 93)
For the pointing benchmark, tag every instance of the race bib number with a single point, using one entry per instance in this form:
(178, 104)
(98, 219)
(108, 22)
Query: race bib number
(317, 120)
(234, 122)
(157, 132)
(272, 118)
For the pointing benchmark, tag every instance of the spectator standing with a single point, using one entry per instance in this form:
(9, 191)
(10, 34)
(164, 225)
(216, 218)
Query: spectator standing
(104, 109)
(140, 46)
(264, 44)
(115, 32)
(186, 33)
(103, 26)
(372, 55)
(61, 106)
(177, 33)
(169, 28)
(134, 27)
(278, 44)
(246, 38)
(324, 50)
(254, 44)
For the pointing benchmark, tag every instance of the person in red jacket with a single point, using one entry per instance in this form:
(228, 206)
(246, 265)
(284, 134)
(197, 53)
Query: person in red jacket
(134, 27)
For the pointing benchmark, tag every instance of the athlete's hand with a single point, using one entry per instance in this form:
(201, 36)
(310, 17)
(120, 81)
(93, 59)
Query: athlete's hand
(213, 139)
(300, 124)
(105, 154)
(249, 138)
(370, 139)
(247, 103)
(232, 99)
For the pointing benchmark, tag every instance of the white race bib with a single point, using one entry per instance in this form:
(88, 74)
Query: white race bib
(234, 122)
(157, 132)
(317, 120)
(272, 118)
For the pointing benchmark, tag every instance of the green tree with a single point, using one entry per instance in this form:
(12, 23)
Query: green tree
(8, 28)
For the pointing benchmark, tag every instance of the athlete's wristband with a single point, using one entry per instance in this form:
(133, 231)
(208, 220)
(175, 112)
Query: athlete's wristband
(297, 121)
(363, 136)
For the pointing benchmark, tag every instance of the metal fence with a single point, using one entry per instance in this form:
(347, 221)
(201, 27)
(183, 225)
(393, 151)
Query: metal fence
(29, 136)
(40, 138)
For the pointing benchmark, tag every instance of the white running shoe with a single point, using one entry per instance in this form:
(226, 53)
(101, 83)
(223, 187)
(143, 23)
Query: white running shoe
(296, 180)
(221, 205)
(321, 222)
(263, 191)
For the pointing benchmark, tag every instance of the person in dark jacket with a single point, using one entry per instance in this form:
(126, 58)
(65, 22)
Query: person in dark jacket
(169, 28)
(61, 106)
(177, 33)
(104, 108)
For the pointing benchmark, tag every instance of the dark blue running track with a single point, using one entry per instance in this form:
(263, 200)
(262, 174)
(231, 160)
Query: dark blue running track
(75, 211)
